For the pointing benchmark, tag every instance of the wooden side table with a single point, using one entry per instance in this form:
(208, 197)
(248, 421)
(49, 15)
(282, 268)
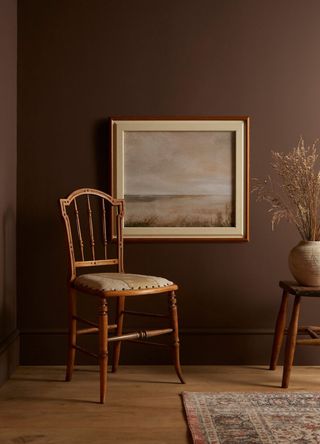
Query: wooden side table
(313, 331)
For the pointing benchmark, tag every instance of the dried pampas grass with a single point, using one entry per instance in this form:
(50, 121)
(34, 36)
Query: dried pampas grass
(294, 193)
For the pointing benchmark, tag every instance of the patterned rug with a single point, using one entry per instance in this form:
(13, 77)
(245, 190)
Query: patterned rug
(253, 418)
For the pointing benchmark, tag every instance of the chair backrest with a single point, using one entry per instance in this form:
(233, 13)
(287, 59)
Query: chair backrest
(93, 222)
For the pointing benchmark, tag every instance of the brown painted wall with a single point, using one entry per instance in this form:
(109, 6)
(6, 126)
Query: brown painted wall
(83, 61)
(8, 165)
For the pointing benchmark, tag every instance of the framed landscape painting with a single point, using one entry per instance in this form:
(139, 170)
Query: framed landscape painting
(181, 178)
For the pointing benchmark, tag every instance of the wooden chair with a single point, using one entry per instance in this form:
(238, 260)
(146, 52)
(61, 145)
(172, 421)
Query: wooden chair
(298, 291)
(83, 211)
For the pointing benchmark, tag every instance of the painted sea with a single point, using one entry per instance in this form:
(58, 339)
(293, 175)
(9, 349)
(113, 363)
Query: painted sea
(179, 211)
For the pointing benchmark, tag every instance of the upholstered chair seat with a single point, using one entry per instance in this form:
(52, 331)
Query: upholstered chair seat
(103, 282)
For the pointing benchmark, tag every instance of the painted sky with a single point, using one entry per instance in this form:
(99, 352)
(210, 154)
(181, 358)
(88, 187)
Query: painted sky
(178, 162)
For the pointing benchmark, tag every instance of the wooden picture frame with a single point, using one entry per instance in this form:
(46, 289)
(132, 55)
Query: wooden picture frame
(182, 178)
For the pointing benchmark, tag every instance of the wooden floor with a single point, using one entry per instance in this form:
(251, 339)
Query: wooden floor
(143, 403)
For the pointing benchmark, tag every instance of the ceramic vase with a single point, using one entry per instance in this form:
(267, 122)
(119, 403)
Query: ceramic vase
(304, 263)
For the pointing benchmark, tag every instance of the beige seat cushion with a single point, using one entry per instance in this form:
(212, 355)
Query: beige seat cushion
(120, 281)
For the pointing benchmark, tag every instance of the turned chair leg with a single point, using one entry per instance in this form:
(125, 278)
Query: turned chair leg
(119, 321)
(279, 331)
(291, 342)
(175, 335)
(72, 334)
(103, 348)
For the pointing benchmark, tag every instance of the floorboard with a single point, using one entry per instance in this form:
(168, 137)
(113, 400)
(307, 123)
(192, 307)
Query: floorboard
(143, 403)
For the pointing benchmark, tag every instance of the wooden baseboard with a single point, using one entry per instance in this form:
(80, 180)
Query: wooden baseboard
(183, 331)
(206, 346)
(9, 355)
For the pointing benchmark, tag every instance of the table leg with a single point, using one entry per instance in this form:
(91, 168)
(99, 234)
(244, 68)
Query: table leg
(291, 342)
(279, 331)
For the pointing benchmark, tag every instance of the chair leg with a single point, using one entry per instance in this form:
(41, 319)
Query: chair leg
(175, 335)
(119, 321)
(72, 334)
(103, 348)
(291, 342)
(279, 331)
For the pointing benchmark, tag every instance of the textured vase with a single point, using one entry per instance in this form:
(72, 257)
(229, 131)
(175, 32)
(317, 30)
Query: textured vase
(304, 263)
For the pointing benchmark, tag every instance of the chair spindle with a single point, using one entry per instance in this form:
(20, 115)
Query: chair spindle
(120, 241)
(91, 229)
(79, 229)
(104, 229)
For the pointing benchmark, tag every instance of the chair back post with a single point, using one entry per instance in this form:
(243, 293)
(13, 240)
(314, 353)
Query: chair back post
(63, 205)
(116, 222)
(120, 219)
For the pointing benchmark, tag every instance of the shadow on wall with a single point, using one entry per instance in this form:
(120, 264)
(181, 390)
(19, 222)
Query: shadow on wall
(8, 304)
(103, 155)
